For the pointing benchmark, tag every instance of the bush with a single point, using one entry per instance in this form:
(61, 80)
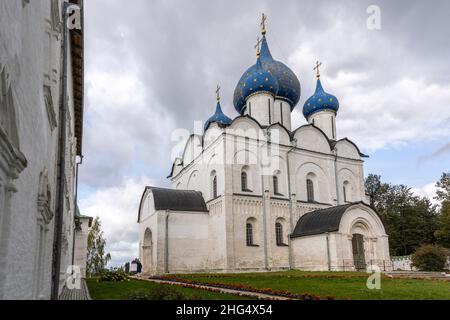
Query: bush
(430, 258)
(160, 292)
(113, 276)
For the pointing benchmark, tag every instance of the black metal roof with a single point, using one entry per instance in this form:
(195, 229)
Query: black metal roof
(178, 200)
(321, 221)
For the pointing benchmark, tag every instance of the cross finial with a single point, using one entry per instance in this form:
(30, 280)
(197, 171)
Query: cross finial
(258, 42)
(263, 24)
(218, 92)
(318, 64)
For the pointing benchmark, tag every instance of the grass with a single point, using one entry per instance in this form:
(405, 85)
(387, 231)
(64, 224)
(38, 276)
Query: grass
(338, 284)
(119, 290)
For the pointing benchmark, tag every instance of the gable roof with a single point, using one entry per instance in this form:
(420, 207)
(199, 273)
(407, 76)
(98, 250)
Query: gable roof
(322, 221)
(176, 200)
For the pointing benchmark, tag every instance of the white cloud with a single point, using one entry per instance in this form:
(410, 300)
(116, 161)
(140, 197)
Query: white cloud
(117, 208)
(428, 190)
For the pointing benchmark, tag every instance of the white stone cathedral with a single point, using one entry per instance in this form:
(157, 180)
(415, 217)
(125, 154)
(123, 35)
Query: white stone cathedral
(254, 193)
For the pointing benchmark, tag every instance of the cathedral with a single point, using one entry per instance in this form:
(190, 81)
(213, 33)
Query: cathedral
(255, 194)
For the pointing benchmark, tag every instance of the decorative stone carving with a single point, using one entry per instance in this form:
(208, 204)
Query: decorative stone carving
(56, 16)
(49, 107)
(44, 198)
(12, 161)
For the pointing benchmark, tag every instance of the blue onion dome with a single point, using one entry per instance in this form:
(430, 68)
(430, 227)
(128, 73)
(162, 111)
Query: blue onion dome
(289, 85)
(218, 117)
(255, 80)
(320, 101)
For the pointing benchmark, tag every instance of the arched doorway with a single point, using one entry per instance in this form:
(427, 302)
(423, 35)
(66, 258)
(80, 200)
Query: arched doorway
(147, 252)
(359, 259)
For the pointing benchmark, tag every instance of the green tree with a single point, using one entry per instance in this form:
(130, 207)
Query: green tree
(409, 220)
(377, 191)
(443, 231)
(97, 257)
(443, 187)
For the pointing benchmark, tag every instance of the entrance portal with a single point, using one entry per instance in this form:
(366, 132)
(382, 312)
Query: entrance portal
(147, 252)
(359, 259)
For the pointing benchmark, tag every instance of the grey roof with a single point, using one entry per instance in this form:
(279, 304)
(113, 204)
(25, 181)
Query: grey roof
(78, 215)
(321, 221)
(178, 200)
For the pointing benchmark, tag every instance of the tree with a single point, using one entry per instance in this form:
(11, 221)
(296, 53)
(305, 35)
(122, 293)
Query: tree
(377, 191)
(409, 220)
(443, 187)
(430, 258)
(443, 231)
(97, 258)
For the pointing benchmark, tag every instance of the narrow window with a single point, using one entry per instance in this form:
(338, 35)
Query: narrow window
(250, 109)
(279, 233)
(275, 185)
(332, 127)
(244, 184)
(310, 190)
(215, 187)
(249, 232)
(281, 113)
(345, 194)
(270, 114)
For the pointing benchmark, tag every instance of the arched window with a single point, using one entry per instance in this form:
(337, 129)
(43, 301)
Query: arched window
(276, 189)
(214, 186)
(244, 181)
(346, 191)
(249, 234)
(279, 233)
(310, 190)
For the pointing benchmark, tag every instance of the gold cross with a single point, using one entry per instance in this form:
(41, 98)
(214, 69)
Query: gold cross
(318, 64)
(263, 23)
(218, 92)
(258, 42)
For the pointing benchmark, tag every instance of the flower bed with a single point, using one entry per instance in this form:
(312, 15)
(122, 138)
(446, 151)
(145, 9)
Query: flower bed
(245, 288)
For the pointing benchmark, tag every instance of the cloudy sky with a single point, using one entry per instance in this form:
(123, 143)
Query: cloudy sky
(152, 68)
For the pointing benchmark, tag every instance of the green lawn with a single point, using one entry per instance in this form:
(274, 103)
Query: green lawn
(338, 284)
(120, 290)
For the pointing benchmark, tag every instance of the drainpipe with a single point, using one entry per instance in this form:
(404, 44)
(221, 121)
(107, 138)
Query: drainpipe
(291, 213)
(328, 251)
(75, 206)
(336, 176)
(166, 253)
(263, 192)
(59, 216)
(266, 254)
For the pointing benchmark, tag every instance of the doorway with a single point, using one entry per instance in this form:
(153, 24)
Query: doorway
(359, 259)
(147, 252)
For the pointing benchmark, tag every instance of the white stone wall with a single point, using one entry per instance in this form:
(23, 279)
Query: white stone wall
(30, 56)
(81, 237)
(258, 107)
(326, 121)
